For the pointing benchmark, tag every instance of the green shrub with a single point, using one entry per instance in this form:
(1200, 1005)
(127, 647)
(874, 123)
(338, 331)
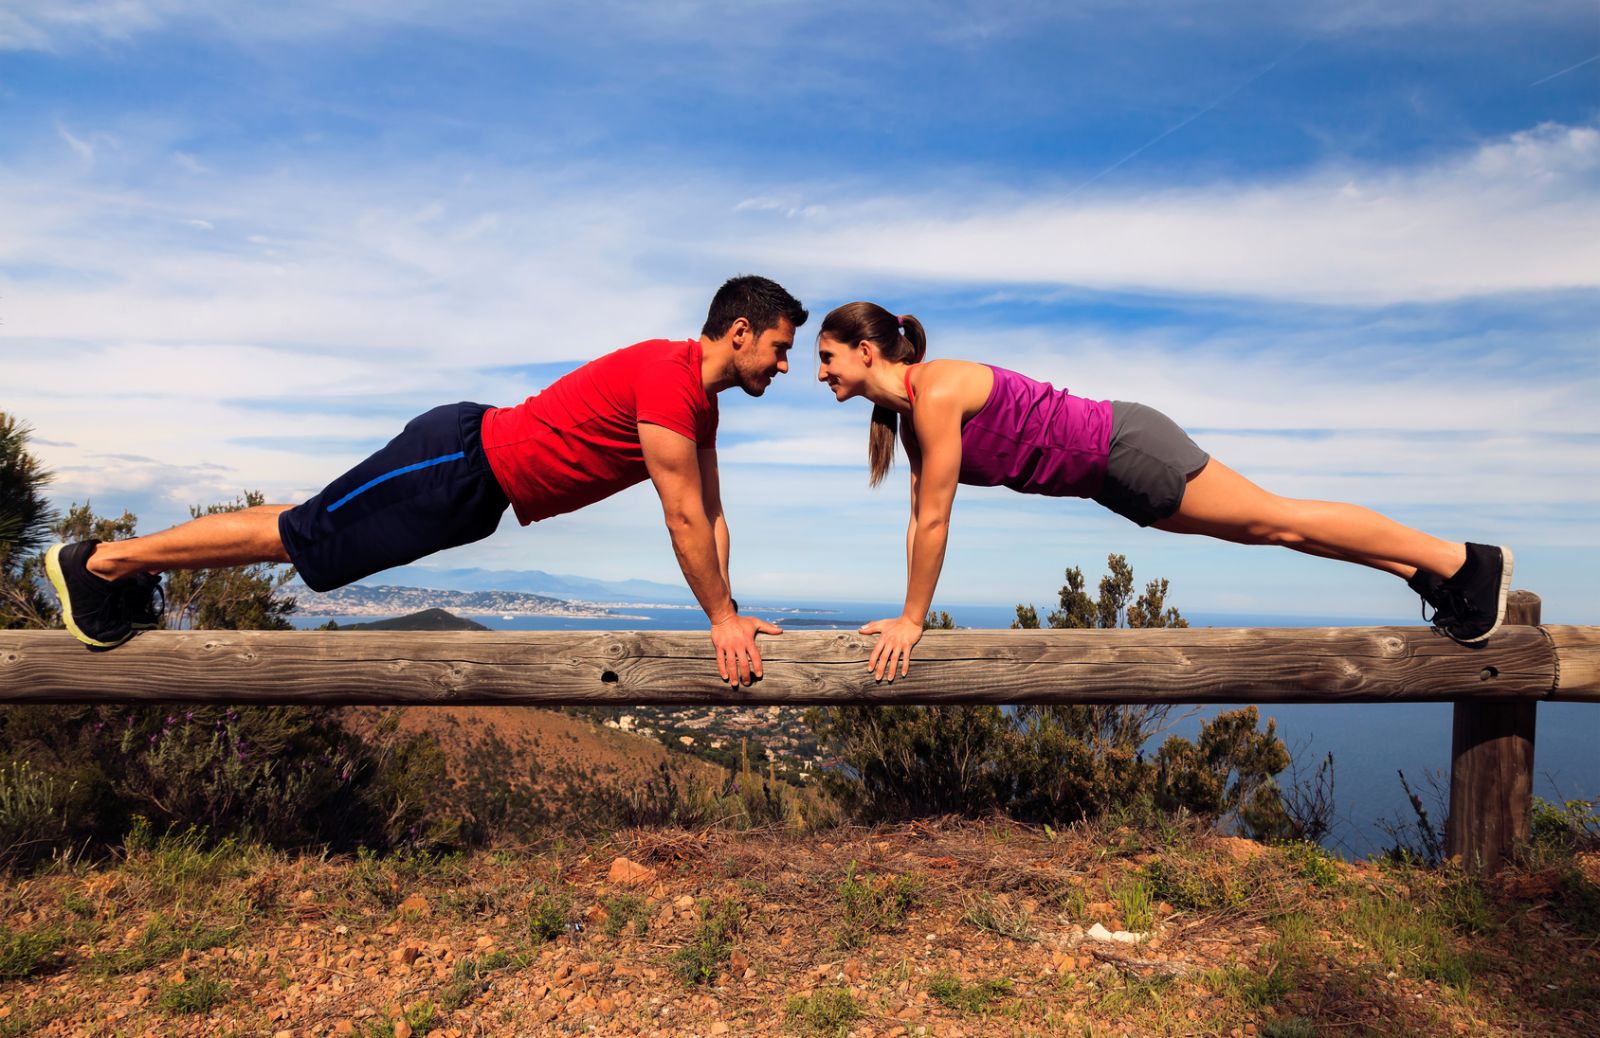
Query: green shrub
(702, 959)
(625, 912)
(871, 904)
(549, 915)
(827, 1011)
(1056, 764)
(1313, 864)
(34, 813)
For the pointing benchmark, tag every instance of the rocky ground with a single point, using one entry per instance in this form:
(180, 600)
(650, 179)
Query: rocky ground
(957, 929)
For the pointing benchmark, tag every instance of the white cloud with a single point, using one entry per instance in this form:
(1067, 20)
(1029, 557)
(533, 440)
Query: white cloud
(1519, 214)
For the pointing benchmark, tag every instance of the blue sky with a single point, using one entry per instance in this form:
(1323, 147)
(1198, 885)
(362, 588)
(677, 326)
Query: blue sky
(1355, 251)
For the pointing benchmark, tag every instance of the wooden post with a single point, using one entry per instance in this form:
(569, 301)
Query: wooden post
(1491, 768)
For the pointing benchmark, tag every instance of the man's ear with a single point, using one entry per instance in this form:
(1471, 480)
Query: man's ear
(739, 332)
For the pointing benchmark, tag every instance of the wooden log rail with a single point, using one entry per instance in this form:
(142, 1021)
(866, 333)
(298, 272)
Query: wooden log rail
(1496, 686)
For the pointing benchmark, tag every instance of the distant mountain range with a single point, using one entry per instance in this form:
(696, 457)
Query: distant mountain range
(394, 599)
(533, 581)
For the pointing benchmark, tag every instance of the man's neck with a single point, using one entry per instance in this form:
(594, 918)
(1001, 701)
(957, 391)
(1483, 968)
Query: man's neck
(716, 363)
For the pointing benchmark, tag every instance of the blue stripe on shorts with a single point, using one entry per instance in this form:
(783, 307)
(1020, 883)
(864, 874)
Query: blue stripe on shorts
(369, 484)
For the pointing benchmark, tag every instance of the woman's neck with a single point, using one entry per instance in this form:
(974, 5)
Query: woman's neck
(886, 386)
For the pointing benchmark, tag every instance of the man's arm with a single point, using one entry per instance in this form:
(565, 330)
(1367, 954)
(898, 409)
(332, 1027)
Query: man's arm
(674, 467)
(711, 496)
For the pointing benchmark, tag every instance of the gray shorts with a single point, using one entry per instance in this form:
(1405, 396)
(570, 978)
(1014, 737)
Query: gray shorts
(1150, 464)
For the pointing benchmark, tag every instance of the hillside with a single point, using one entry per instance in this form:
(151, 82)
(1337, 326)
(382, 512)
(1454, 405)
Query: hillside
(425, 620)
(551, 765)
(925, 930)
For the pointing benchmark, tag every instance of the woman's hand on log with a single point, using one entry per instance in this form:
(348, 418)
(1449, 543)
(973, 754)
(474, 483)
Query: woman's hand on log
(895, 639)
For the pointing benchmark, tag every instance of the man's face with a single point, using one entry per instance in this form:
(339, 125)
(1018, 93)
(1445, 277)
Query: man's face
(764, 357)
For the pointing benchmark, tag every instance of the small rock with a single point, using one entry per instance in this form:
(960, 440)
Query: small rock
(401, 1028)
(630, 873)
(719, 1028)
(344, 1027)
(683, 902)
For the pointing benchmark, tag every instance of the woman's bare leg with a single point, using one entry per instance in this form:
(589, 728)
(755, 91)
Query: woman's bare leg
(225, 539)
(1223, 504)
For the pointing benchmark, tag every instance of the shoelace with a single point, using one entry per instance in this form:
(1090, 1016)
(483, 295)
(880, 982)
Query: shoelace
(1457, 604)
(137, 598)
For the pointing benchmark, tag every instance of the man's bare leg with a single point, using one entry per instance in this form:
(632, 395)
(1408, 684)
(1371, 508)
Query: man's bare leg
(226, 539)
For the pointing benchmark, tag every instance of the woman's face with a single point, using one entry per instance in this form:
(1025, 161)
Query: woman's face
(842, 367)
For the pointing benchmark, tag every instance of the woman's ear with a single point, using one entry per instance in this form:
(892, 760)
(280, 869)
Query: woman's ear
(865, 346)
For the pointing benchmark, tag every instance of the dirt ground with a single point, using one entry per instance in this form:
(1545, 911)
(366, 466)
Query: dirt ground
(956, 929)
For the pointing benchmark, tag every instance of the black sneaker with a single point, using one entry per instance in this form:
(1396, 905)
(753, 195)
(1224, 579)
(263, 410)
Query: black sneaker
(100, 613)
(1470, 605)
(1426, 585)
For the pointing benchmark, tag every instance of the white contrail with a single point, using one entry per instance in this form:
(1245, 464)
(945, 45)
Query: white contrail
(1574, 68)
(1163, 135)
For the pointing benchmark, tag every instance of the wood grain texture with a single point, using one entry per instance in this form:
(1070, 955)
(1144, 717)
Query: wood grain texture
(1491, 767)
(1578, 661)
(1195, 665)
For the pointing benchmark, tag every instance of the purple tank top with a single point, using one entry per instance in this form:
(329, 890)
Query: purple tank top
(1035, 439)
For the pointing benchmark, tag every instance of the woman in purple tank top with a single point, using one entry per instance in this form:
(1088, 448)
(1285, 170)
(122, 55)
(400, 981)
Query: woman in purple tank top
(986, 426)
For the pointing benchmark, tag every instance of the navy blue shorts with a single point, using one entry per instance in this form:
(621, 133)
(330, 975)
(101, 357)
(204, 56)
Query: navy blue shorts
(428, 489)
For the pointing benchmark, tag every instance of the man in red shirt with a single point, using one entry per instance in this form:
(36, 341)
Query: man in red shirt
(645, 411)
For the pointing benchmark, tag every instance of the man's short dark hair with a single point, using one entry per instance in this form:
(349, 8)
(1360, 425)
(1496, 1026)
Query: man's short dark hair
(759, 300)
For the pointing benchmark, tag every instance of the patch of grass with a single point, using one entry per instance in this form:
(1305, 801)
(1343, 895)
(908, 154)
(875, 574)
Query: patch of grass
(27, 952)
(1188, 886)
(1135, 903)
(421, 1018)
(198, 994)
(185, 861)
(702, 959)
(999, 916)
(1579, 902)
(159, 941)
(1313, 864)
(873, 904)
(1413, 928)
(469, 979)
(549, 915)
(31, 1020)
(829, 1011)
(1290, 1027)
(625, 912)
(390, 879)
(78, 904)
(977, 997)
(1133, 995)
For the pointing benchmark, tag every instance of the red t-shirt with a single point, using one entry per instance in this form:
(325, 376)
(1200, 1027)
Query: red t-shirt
(578, 441)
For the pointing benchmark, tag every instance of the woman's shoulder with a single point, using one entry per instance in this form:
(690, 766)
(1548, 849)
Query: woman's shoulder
(963, 383)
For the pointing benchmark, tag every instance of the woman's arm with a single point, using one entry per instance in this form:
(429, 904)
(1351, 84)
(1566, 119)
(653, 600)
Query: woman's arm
(935, 463)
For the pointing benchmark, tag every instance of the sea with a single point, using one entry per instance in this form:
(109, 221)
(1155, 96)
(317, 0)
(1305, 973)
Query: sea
(1372, 744)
